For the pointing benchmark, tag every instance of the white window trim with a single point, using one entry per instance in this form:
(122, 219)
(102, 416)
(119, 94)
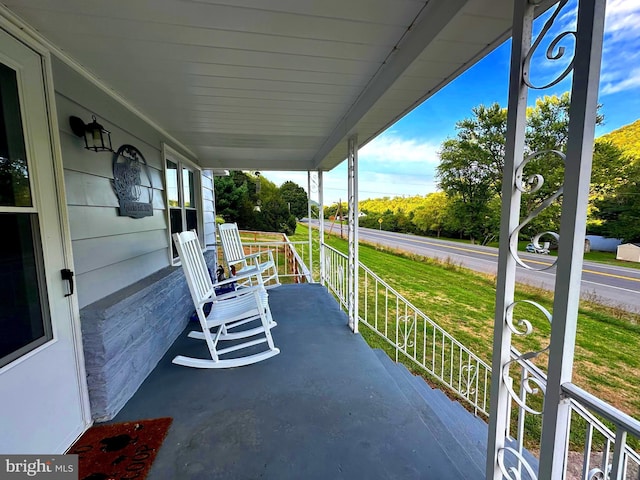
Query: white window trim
(183, 162)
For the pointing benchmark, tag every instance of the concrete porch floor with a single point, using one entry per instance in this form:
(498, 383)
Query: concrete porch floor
(324, 408)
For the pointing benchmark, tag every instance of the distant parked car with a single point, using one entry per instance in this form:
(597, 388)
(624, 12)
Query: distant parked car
(531, 248)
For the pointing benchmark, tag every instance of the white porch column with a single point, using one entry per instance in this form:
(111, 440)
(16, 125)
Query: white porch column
(352, 205)
(309, 222)
(577, 175)
(574, 192)
(323, 271)
(510, 218)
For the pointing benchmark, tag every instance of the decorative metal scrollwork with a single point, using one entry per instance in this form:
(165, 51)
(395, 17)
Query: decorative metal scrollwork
(532, 184)
(128, 166)
(513, 472)
(531, 384)
(314, 182)
(405, 330)
(468, 374)
(598, 474)
(555, 51)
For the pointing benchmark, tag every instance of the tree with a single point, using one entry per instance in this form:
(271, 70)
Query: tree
(296, 198)
(432, 215)
(620, 211)
(236, 198)
(471, 165)
(273, 215)
(253, 202)
(547, 129)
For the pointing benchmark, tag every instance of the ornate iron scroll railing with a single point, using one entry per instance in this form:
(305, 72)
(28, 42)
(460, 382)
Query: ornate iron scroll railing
(411, 333)
(602, 447)
(543, 398)
(336, 268)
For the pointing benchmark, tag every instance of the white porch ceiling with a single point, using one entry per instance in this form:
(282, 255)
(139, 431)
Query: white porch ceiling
(272, 84)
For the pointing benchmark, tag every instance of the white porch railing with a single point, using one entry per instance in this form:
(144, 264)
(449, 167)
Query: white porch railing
(419, 339)
(411, 333)
(290, 257)
(603, 449)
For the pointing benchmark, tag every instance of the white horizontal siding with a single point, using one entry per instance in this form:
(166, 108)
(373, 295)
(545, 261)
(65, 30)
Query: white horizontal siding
(110, 252)
(100, 252)
(97, 284)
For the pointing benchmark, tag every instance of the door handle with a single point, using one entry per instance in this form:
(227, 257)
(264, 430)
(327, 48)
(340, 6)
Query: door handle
(68, 276)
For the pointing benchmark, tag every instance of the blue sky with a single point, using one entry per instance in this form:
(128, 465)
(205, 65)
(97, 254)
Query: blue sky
(402, 160)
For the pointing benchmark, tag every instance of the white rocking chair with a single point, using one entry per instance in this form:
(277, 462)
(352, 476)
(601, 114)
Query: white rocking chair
(228, 312)
(266, 273)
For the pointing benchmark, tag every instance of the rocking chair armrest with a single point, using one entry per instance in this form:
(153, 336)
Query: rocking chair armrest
(235, 294)
(255, 256)
(236, 278)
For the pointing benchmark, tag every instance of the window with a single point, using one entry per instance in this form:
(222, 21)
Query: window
(183, 202)
(25, 321)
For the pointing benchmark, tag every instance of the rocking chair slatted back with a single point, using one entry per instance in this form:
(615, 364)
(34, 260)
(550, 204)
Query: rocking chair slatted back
(195, 270)
(264, 272)
(231, 243)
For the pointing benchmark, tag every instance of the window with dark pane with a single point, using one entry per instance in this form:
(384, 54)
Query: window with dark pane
(24, 317)
(14, 173)
(181, 199)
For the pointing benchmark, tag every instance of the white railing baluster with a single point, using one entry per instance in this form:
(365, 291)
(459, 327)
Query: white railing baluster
(433, 352)
(397, 327)
(366, 296)
(377, 287)
(442, 358)
(424, 343)
(415, 336)
(451, 366)
(588, 442)
(617, 471)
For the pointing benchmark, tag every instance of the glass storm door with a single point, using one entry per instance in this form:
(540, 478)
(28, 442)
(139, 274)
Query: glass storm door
(42, 396)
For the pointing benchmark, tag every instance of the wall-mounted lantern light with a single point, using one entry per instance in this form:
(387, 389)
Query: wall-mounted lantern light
(96, 138)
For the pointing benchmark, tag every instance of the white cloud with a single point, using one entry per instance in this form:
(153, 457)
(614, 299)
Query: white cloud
(389, 148)
(388, 166)
(621, 47)
(616, 85)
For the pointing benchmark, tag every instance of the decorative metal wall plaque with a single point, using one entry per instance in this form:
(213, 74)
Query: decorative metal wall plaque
(135, 199)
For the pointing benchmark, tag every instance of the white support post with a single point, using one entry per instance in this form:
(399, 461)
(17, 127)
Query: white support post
(309, 222)
(352, 205)
(510, 215)
(321, 227)
(582, 119)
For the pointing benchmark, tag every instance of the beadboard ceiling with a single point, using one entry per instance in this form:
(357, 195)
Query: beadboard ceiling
(272, 84)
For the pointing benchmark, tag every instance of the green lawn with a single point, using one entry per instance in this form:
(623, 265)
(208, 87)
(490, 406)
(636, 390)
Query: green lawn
(462, 302)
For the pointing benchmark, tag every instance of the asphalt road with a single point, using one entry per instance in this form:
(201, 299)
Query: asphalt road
(608, 284)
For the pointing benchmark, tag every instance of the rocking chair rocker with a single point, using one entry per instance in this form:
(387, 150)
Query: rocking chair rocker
(228, 312)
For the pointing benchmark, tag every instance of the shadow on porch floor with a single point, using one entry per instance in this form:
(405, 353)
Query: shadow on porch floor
(325, 408)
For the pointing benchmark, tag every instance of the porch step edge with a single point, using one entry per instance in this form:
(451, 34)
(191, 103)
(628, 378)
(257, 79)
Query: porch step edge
(431, 419)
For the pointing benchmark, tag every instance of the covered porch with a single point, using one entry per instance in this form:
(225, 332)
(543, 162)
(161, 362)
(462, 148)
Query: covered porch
(326, 407)
(203, 86)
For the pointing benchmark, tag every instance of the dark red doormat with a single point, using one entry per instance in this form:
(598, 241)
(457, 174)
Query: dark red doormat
(120, 450)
